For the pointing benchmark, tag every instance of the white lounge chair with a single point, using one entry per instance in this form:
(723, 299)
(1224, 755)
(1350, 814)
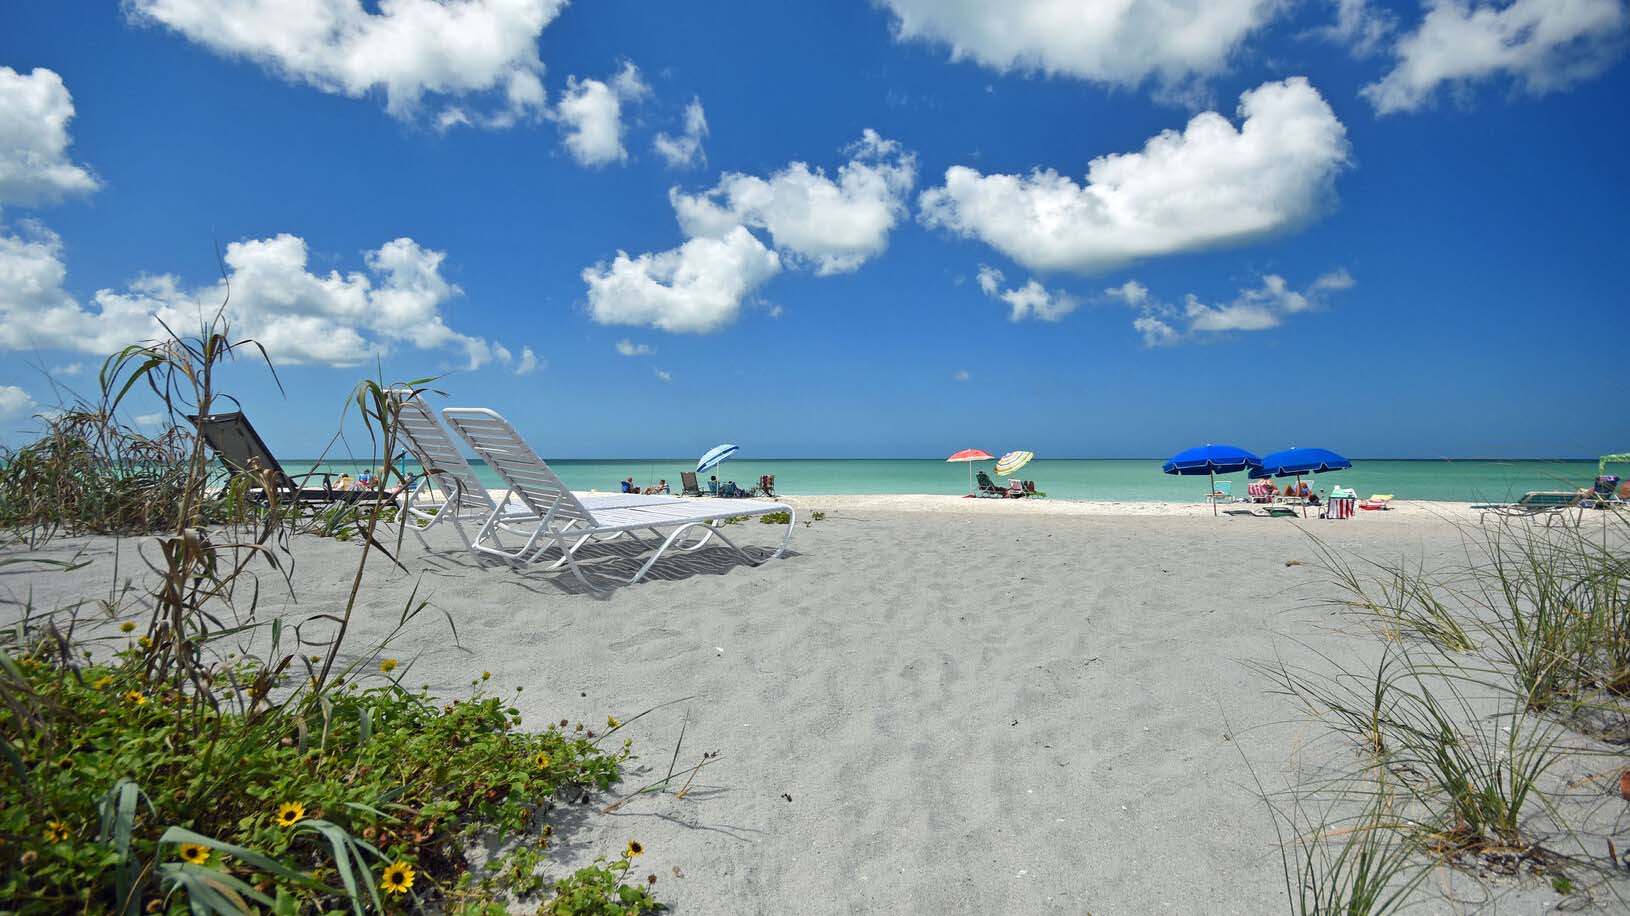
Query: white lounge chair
(449, 491)
(562, 521)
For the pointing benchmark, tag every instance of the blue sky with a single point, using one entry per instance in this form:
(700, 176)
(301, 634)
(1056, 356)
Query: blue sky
(1389, 230)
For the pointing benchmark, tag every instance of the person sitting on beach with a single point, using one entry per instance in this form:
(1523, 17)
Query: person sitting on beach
(988, 486)
(662, 487)
(344, 483)
(729, 489)
(628, 486)
(365, 480)
(713, 485)
(1313, 498)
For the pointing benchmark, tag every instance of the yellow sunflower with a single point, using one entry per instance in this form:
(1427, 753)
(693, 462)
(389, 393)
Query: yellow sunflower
(102, 682)
(55, 831)
(194, 854)
(634, 850)
(486, 675)
(611, 722)
(129, 626)
(542, 761)
(398, 878)
(136, 697)
(387, 665)
(290, 813)
(144, 642)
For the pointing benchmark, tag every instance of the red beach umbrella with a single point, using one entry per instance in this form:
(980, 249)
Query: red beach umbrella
(968, 456)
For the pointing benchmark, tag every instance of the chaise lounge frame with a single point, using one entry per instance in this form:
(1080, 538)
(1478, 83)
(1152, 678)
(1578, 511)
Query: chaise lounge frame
(561, 521)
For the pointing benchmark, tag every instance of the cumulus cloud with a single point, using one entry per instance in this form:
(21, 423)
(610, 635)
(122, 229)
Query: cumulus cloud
(1122, 43)
(1031, 300)
(697, 287)
(1209, 186)
(15, 402)
(1544, 45)
(298, 316)
(1256, 309)
(961, 375)
(590, 113)
(404, 49)
(34, 113)
(830, 225)
(627, 347)
(664, 375)
(834, 225)
(685, 151)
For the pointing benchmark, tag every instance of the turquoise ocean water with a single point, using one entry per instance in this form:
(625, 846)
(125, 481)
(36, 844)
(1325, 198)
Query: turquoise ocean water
(1126, 480)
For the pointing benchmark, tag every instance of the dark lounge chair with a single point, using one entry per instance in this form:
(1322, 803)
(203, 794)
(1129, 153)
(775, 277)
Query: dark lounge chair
(242, 451)
(766, 486)
(988, 487)
(688, 485)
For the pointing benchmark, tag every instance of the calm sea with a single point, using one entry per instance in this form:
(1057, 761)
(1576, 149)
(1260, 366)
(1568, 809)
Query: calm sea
(1126, 480)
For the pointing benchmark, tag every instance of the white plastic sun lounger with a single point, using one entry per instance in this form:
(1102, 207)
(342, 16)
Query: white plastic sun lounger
(450, 492)
(563, 522)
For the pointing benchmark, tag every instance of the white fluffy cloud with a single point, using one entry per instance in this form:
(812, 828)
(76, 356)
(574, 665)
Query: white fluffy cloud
(1544, 45)
(697, 287)
(1122, 42)
(298, 316)
(835, 225)
(591, 114)
(1209, 186)
(831, 225)
(1256, 309)
(15, 402)
(34, 113)
(627, 347)
(685, 151)
(1029, 300)
(405, 49)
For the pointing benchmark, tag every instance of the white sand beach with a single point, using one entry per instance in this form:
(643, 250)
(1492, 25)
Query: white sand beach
(929, 705)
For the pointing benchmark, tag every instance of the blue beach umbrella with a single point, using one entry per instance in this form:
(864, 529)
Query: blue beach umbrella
(1294, 462)
(714, 456)
(1211, 460)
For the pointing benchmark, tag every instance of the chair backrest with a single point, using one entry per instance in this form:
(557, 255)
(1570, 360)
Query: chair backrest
(1606, 484)
(688, 485)
(1015, 485)
(436, 452)
(238, 446)
(498, 444)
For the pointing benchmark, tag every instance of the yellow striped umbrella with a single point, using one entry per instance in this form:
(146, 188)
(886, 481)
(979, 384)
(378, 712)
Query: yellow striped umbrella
(1012, 461)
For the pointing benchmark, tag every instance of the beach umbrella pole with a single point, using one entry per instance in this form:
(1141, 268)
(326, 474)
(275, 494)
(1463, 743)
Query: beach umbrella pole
(1212, 476)
(970, 478)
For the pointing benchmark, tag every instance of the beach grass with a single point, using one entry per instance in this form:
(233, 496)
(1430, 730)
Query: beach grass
(1492, 678)
(168, 749)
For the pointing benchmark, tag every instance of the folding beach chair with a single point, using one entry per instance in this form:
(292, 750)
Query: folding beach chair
(449, 491)
(688, 485)
(242, 451)
(565, 523)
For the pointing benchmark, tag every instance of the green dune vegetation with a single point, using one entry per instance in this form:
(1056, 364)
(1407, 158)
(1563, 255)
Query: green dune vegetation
(166, 750)
(1484, 742)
